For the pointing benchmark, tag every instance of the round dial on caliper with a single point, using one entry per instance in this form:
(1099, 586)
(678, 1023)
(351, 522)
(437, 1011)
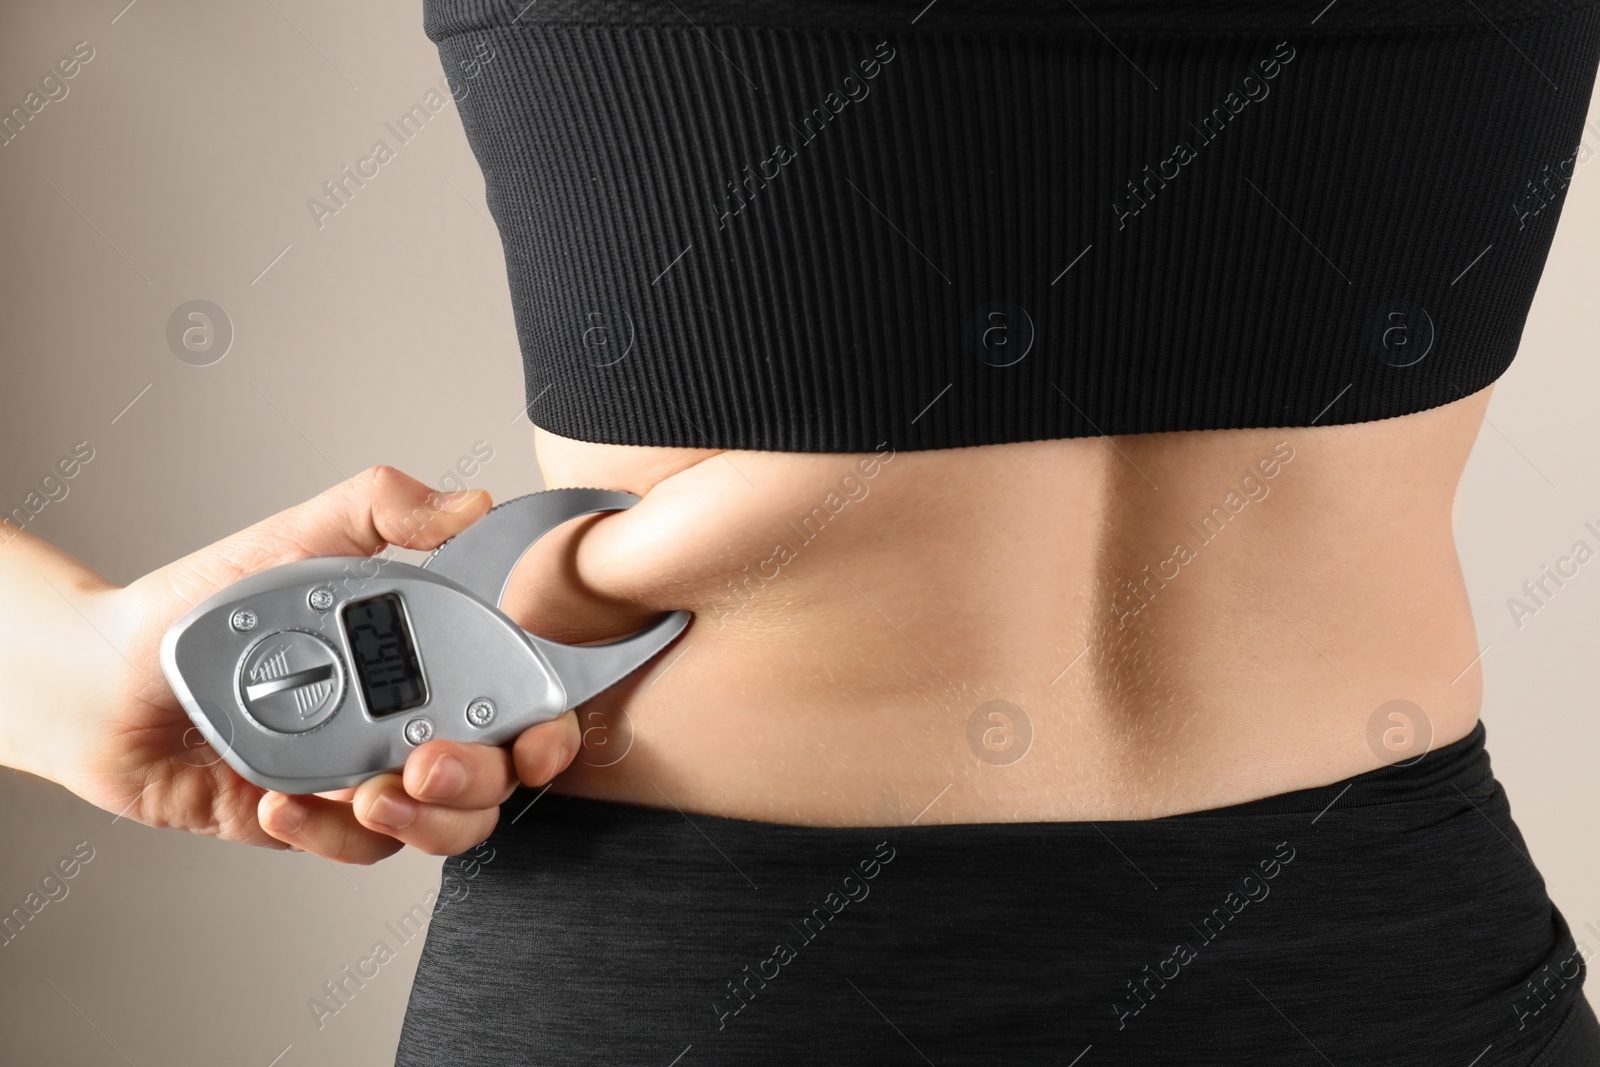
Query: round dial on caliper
(291, 681)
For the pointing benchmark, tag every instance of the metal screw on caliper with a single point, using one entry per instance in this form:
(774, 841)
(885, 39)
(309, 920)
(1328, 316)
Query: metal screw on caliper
(480, 712)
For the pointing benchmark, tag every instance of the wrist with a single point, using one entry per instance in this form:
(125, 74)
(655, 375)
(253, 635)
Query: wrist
(57, 665)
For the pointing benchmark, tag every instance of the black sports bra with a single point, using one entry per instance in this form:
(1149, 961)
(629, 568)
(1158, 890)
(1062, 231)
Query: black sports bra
(822, 226)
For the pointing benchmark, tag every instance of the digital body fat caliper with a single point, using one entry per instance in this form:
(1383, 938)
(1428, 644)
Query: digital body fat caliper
(314, 676)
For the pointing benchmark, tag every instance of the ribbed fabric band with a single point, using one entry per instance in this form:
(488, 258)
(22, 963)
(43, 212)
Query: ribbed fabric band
(447, 17)
(826, 226)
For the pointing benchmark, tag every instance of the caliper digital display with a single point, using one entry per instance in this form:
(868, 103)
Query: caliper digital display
(385, 657)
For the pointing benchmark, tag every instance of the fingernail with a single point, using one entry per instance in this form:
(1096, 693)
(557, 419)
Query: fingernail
(392, 811)
(286, 813)
(559, 761)
(444, 779)
(455, 501)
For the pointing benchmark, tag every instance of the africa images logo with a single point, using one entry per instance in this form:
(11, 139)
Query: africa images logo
(1253, 87)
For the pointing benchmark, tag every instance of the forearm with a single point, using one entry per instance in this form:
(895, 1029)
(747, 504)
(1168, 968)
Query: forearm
(55, 647)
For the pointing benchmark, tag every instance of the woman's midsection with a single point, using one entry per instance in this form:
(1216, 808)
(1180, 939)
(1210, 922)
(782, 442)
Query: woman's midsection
(1103, 628)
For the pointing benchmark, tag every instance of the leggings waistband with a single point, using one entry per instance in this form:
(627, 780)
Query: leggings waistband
(1394, 917)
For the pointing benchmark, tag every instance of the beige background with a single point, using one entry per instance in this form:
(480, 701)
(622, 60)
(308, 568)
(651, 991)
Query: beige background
(178, 167)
